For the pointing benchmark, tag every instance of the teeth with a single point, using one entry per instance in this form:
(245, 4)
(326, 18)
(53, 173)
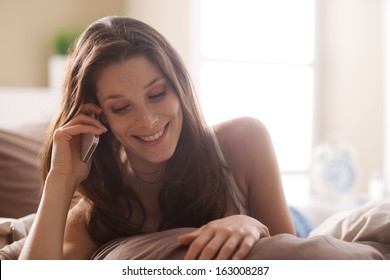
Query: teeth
(153, 137)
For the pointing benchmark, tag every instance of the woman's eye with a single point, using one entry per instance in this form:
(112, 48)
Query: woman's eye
(158, 95)
(121, 109)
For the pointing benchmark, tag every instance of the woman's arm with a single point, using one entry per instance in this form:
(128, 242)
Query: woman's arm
(45, 238)
(54, 232)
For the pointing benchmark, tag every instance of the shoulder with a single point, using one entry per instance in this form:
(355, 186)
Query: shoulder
(247, 147)
(245, 144)
(237, 132)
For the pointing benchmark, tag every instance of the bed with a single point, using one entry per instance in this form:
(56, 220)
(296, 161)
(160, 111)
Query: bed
(362, 233)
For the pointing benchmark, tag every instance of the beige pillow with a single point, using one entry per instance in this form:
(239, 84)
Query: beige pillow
(370, 222)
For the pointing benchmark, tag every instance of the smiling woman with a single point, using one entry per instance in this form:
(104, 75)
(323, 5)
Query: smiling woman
(216, 197)
(145, 114)
(158, 165)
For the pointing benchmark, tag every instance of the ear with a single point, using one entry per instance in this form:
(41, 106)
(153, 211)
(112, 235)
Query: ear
(103, 119)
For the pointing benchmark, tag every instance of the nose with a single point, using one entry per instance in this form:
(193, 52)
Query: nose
(146, 118)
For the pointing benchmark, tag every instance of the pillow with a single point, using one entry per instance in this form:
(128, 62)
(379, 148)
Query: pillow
(360, 234)
(19, 179)
(164, 246)
(370, 222)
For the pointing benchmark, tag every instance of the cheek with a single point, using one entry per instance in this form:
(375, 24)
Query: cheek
(118, 129)
(175, 107)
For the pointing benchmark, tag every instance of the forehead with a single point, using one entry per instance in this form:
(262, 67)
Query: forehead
(136, 72)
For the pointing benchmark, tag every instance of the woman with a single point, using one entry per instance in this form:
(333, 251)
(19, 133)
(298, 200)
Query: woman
(157, 166)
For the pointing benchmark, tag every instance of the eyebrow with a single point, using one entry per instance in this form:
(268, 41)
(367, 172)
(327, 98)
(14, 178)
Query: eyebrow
(148, 85)
(151, 83)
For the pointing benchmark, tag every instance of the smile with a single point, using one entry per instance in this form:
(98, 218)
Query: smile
(154, 137)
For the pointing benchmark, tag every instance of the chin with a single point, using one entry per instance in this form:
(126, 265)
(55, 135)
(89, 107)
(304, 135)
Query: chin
(161, 158)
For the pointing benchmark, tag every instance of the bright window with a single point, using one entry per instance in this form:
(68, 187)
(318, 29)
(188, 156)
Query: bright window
(256, 59)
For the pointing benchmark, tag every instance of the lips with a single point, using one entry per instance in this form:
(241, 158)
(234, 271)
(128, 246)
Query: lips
(154, 137)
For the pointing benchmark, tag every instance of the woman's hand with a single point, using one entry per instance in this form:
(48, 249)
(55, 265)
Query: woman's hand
(229, 238)
(66, 159)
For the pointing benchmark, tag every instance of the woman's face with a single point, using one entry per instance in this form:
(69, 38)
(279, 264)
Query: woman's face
(142, 109)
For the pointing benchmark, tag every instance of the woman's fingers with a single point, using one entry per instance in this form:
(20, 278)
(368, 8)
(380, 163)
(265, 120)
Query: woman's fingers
(231, 237)
(66, 140)
(213, 247)
(88, 116)
(68, 132)
(216, 244)
(244, 249)
(226, 246)
(229, 247)
(94, 127)
(198, 244)
(82, 123)
(248, 242)
(186, 239)
(86, 119)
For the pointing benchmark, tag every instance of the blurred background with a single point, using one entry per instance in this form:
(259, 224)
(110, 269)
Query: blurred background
(314, 71)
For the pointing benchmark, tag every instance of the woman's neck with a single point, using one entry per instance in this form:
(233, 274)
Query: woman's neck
(145, 172)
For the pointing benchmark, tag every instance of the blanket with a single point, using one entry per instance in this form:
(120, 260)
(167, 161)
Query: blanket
(363, 234)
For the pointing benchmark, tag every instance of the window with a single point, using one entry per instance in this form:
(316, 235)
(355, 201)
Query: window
(256, 59)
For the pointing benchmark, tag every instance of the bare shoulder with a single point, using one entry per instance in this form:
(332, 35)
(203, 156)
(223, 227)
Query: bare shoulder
(243, 141)
(246, 130)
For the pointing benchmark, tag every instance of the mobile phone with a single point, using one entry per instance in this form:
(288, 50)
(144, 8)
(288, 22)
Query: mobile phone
(89, 143)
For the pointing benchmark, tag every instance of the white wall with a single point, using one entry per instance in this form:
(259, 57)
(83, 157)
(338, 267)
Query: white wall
(28, 29)
(21, 107)
(386, 34)
(169, 17)
(351, 79)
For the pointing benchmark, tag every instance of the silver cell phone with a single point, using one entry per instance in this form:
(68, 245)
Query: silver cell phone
(89, 143)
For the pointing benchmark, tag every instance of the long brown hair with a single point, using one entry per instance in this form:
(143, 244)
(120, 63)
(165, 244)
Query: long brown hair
(194, 186)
